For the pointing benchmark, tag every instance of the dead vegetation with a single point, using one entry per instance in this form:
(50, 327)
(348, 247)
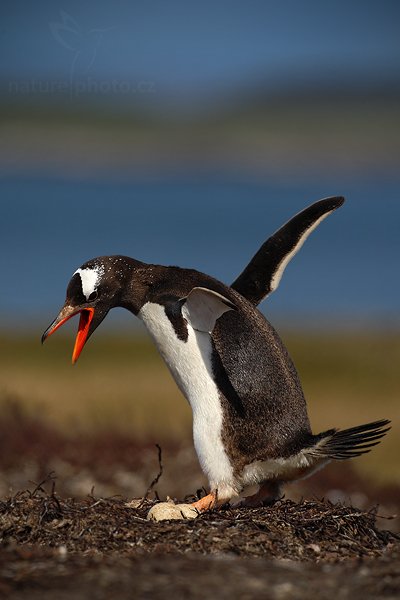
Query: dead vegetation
(99, 547)
(72, 534)
(309, 530)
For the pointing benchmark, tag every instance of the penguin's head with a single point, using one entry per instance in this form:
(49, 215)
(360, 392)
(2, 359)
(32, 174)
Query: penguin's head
(92, 291)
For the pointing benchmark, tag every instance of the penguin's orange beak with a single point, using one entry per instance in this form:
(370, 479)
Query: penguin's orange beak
(66, 313)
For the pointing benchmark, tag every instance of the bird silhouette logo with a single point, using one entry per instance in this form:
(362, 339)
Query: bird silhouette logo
(82, 43)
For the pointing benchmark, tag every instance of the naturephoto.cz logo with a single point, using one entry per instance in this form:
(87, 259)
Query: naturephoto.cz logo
(81, 47)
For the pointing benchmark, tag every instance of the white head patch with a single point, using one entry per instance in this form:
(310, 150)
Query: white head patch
(90, 277)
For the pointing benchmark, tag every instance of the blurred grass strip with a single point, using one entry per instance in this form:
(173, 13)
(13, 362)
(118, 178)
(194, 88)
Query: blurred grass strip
(121, 383)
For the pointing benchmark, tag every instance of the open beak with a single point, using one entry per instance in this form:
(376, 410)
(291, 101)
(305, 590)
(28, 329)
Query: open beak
(86, 317)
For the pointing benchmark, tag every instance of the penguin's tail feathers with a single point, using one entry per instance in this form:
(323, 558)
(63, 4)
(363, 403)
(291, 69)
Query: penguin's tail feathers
(349, 443)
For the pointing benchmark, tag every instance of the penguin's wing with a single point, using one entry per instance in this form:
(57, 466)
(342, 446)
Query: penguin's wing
(263, 273)
(202, 307)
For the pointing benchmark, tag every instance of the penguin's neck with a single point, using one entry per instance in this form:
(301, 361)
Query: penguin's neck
(139, 279)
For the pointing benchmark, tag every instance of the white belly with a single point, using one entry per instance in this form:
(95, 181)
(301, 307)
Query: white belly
(190, 365)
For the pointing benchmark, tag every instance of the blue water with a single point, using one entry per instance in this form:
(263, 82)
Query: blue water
(347, 270)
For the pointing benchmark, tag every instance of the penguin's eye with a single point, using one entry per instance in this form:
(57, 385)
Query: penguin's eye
(93, 296)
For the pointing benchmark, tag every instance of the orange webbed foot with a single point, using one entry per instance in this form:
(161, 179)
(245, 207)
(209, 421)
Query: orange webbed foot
(168, 510)
(206, 503)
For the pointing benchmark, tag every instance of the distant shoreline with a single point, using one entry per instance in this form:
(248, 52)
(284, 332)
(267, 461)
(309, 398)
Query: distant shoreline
(296, 142)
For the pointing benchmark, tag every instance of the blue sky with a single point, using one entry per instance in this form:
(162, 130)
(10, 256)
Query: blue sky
(190, 51)
(191, 48)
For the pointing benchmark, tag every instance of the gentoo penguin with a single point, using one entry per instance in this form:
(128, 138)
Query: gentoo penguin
(250, 422)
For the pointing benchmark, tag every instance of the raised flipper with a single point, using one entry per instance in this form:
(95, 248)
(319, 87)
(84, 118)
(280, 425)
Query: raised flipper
(263, 273)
